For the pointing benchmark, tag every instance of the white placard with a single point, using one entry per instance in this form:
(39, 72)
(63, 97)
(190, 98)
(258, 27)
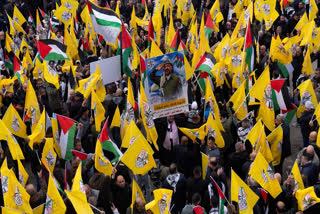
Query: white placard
(110, 69)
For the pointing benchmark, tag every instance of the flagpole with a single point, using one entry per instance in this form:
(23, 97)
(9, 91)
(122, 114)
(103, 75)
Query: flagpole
(95, 208)
(212, 180)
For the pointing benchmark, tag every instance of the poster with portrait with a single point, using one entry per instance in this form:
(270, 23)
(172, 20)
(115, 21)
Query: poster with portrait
(165, 84)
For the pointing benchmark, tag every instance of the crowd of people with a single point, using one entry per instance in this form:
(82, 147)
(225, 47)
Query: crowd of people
(179, 159)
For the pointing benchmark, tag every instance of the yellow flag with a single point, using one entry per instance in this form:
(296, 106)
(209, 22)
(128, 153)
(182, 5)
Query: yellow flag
(54, 202)
(4, 177)
(56, 135)
(203, 44)
(213, 131)
(302, 22)
(17, 16)
(38, 22)
(136, 192)
(139, 157)
(275, 139)
(171, 31)
(23, 175)
(239, 102)
(14, 122)
(257, 90)
(77, 195)
(306, 94)
(157, 24)
(147, 119)
(242, 194)
(267, 113)
(39, 132)
(155, 50)
(306, 198)
(39, 209)
(116, 120)
(188, 69)
(193, 134)
(31, 106)
(131, 135)
(216, 14)
(9, 43)
(313, 9)
(50, 76)
(263, 174)
(263, 146)
(17, 197)
(13, 145)
(64, 15)
(204, 164)
(98, 110)
(6, 210)
(38, 70)
(161, 202)
(86, 85)
(210, 101)
(254, 133)
(72, 5)
(49, 157)
(269, 20)
(298, 182)
(101, 163)
(135, 54)
(193, 37)
(307, 64)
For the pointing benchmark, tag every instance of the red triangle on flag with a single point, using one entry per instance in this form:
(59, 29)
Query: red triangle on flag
(248, 36)
(65, 123)
(104, 133)
(277, 84)
(43, 14)
(209, 22)
(44, 49)
(16, 64)
(126, 38)
(82, 156)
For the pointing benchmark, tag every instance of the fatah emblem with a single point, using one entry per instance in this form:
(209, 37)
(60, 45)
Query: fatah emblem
(308, 201)
(236, 60)
(268, 23)
(33, 115)
(4, 183)
(21, 178)
(68, 5)
(142, 159)
(279, 147)
(50, 159)
(150, 64)
(148, 115)
(95, 109)
(306, 96)
(270, 173)
(66, 15)
(15, 124)
(15, 18)
(17, 197)
(246, 15)
(268, 97)
(57, 137)
(242, 199)
(48, 205)
(266, 8)
(101, 161)
(211, 132)
(264, 176)
(163, 203)
(82, 187)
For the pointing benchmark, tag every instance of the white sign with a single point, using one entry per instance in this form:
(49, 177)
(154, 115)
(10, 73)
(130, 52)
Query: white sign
(110, 69)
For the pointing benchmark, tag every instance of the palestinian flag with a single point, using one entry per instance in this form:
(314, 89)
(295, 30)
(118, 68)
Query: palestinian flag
(43, 14)
(249, 47)
(8, 63)
(280, 95)
(289, 114)
(108, 145)
(223, 198)
(150, 32)
(127, 49)
(52, 50)
(209, 27)
(143, 69)
(81, 155)
(105, 22)
(54, 22)
(17, 68)
(285, 69)
(67, 134)
(177, 42)
(30, 20)
(143, 4)
(206, 63)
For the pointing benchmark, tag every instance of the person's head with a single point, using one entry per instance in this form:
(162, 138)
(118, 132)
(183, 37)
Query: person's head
(86, 66)
(300, 5)
(282, 18)
(211, 143)
(279, 119)
(196, 199)
(120, 181)
(317, 73)
(184, 141)
(173, 168)
(51, 64)
(1, 35)
(309, 106)
(139, 204)
(167, 67)
(77, 145)
(239, 146)
(262, 49)
(213, 163)
(310, 150)
(305, 157)
(214, 201)
(31, 190)
(298, 50)
(170, 118)
(278, 177)
(281, 207)
(245, 123)
(197, 172)
(78, 96)
(118, 92)
(313, 136)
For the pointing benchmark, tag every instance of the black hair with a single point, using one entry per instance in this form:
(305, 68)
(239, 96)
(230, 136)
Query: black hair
(196, 198)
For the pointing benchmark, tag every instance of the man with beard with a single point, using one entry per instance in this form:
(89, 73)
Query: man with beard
(168, 82)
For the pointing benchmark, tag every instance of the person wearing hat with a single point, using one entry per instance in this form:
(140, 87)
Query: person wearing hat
(168, 82)
(306, 123)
